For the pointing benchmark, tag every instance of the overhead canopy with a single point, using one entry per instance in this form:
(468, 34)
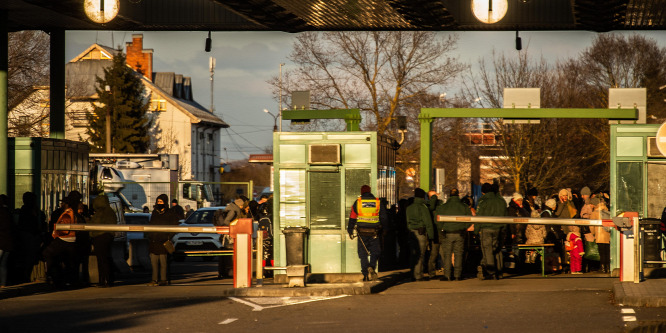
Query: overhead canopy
(304, 15)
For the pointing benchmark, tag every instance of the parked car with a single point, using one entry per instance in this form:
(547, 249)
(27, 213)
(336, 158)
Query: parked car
(202, 217)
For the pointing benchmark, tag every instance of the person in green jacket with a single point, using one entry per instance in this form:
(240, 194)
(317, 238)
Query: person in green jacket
(453, 233)
(490, 204)
(419, 223)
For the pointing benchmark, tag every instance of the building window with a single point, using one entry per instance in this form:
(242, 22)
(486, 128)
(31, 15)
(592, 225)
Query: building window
(158, 105)
(79, 119)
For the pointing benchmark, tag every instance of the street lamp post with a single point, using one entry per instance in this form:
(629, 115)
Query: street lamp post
(275, 127)
(108, 120)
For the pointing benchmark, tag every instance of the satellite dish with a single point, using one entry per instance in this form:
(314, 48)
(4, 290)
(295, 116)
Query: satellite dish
(661, 139)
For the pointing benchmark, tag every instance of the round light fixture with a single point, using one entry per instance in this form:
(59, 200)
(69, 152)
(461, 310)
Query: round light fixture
(489, 11)
(101, 11)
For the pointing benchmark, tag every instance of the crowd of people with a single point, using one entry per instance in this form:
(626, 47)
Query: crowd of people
(413, 237)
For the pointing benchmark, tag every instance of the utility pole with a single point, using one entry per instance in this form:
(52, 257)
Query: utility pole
(211, 67)
(107, 88)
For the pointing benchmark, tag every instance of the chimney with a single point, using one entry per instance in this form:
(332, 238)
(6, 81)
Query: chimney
(139, 59)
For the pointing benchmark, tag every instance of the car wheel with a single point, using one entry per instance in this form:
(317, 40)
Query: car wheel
(178, 257)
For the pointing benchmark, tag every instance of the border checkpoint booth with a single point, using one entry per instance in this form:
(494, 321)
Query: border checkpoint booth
(317, 176)
(637, 179)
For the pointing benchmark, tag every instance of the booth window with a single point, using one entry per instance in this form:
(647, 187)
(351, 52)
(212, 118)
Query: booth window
(629, 187)
(292, 198)
(325, 200)
(354, 179)
(656, 186)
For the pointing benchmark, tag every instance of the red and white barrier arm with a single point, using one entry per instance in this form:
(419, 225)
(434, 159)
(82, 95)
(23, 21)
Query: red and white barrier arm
(141, 228)
(524, 220)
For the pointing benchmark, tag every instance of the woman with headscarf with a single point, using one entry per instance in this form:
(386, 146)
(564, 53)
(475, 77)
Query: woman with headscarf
(101, 240)
(158, 253)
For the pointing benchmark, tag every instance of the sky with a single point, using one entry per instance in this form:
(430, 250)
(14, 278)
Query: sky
(246, 60)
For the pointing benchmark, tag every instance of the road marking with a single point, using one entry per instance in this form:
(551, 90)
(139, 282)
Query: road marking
(628, 311)
(629, 318)
(227, 321)
(260, 303)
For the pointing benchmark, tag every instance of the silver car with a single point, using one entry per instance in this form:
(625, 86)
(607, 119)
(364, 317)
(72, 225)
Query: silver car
(185, 241)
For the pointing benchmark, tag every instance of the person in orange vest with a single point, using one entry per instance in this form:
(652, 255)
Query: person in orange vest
(367, 217)
(63, 247)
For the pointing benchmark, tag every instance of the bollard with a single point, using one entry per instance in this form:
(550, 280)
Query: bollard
(259, 256)
(241, 232)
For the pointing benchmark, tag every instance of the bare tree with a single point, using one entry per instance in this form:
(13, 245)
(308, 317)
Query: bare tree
(28, 70)
(28, 64)
(379, 72)
(618, 61)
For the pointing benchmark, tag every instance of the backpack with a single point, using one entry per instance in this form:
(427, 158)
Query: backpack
(219, 216)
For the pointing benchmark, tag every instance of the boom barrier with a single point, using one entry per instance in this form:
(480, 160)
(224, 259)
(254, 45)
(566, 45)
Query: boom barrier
(142, 228)
(241, 231)
(528, 220)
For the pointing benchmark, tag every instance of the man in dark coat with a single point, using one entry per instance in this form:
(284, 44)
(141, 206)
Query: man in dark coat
(101, 240)
(490, 204)
(419, 222)
(31, 229)
(453, 240)
(177, 210)
(158, 253)
(368, 217)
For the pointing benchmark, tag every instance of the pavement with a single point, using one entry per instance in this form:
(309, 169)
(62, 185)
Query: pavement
(649, 293)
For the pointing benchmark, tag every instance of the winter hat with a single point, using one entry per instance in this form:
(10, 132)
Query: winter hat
(533, 192)
(365, 189)
(517, 196)
(594, 201)
(239, 202)
(486, 188)
(565, 193)
(551, 203)
(419, 193)
(585, 191)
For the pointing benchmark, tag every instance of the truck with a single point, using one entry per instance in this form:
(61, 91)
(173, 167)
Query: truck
(137, 180)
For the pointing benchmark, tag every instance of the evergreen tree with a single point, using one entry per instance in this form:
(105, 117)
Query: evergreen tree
(128, 107)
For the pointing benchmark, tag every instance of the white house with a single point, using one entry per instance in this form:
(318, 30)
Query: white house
(180, 125)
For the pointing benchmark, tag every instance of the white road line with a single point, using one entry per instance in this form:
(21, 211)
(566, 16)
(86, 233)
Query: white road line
(284, 301)
(627, 311)
(227, 321)
(254, 307)
(629, 318)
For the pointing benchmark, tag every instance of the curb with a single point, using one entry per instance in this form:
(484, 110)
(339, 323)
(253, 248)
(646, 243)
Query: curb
(637, 298)
(322, 289)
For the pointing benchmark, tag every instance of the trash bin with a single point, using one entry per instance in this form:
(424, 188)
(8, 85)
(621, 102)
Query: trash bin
(651, 242)
(295, 245)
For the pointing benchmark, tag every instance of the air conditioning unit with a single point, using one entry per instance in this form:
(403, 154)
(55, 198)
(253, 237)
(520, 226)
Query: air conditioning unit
(652, 150)
(324, 154)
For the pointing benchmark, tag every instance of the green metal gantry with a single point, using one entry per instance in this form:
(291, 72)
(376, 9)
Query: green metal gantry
(427, 116)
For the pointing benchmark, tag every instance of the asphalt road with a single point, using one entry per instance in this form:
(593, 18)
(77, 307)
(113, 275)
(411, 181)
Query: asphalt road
(520, 304)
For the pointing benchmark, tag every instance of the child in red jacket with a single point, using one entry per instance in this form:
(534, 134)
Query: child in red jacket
(576, 250)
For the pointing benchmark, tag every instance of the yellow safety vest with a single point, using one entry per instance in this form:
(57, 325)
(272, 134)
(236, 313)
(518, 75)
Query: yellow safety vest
(367, 210)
